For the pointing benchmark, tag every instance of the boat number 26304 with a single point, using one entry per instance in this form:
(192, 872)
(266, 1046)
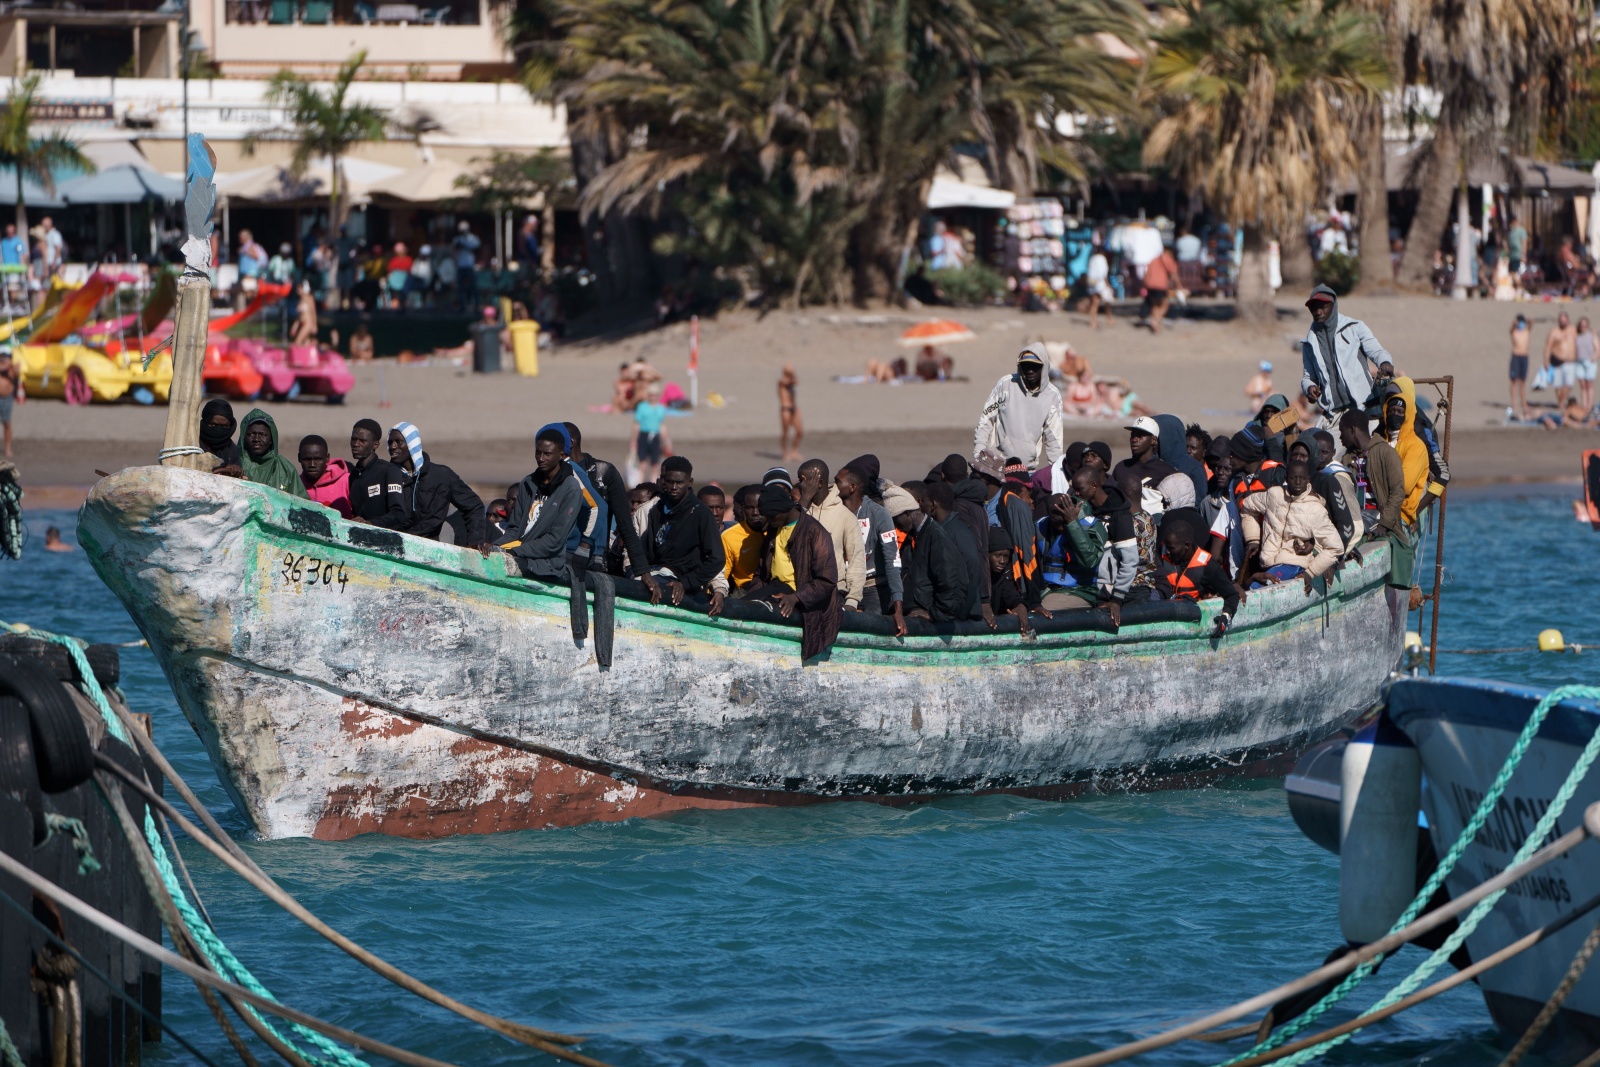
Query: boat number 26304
(312, 572)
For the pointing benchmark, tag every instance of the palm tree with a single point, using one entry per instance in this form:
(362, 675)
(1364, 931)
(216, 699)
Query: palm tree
(322, 124)
(817, 126)
(1492, 62)
(32, 156)
(1255, 99)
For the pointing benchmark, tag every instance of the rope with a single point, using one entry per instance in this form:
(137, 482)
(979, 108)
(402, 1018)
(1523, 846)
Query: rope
(216, 953)
(1553, 1005)
(74, 828)
(8, 1052)
(1460, 977)
(114, 987)
(1468, 834)
(180, 450)
(1572, 646)
(154, 950)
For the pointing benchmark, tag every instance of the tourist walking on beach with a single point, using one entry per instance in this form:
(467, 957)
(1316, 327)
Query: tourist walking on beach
(1097, 281)
(1560, 357)
(1160, 278)
(1022, 416)
(1584, 368)
(10, 393)
(1521, 342)
(789, 423)
(1337, 354)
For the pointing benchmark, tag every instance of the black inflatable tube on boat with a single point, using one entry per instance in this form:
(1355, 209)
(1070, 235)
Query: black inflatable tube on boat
(1065, 622)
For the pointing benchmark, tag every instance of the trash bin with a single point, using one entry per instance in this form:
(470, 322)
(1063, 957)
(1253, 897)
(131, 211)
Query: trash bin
(525, 346)
(486, 348)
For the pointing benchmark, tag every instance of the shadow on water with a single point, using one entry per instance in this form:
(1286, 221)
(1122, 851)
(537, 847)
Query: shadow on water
(978, 931)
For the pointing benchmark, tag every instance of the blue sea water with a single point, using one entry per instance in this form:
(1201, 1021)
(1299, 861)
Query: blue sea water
(989, 931)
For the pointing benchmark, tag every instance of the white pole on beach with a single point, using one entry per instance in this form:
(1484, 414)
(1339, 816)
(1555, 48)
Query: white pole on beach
(694, 361)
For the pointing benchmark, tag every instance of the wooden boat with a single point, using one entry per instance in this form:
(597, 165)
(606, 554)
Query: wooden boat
(347, 679)
(1457, 733)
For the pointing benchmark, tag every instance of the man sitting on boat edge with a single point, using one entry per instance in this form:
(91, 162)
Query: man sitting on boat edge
(556, 531)
(800, 571)
(682, 544)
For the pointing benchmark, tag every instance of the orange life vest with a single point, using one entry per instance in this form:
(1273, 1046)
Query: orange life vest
(1181, 585)
(1252, 483)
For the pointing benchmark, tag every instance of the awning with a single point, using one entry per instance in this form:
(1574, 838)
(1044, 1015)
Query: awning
(1515, 175)
(273, 184)
(32, 195)
(427, 184)
(950, 193)
(122, 184)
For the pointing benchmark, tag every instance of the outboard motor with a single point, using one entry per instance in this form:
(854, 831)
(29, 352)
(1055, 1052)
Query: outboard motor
(1381, 792)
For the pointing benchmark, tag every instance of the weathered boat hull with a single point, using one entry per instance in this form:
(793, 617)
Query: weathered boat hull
(349, 680)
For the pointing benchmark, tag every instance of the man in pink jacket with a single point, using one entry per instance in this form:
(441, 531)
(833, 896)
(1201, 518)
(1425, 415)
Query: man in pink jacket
(327, 481)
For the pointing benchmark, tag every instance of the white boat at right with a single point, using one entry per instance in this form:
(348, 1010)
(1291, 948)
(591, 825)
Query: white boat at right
(1440, 743)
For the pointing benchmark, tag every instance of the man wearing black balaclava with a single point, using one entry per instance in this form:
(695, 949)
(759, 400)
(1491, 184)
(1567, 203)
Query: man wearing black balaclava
(1336, 355)
(217, 426)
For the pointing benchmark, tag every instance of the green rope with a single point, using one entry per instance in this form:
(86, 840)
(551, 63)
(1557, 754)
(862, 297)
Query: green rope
(1469, 833)
(75, 829)
(8, 1052)
(217, 954)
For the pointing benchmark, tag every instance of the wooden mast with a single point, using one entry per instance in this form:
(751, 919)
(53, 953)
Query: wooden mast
(191, 323)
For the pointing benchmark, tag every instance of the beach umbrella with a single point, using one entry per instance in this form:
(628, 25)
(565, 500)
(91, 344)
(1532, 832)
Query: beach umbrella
(935, 332)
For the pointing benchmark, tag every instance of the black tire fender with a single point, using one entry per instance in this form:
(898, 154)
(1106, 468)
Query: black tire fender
(19, 781)
(61, 750)
(105, 661)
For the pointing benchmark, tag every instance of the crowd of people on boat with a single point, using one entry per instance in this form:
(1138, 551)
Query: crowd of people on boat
(1028, 525)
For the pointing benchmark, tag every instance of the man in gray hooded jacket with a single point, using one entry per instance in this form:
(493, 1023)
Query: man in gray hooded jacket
(1336, 354)
(1022, 416)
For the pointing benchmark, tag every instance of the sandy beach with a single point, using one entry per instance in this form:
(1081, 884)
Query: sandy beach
(483, 425)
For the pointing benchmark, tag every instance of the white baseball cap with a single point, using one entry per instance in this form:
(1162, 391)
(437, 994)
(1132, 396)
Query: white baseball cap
(1145, 424)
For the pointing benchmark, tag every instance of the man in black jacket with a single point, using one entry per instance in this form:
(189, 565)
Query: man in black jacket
(935, 577)
(374, 483)
(613, 490)
(429, 489)
(939, 501)
(682, 541)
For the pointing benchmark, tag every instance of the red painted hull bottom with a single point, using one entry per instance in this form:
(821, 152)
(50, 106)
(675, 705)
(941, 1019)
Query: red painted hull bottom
(472, 785)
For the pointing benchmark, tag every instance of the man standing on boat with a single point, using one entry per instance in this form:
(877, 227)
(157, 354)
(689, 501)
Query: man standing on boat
(1022, 416)
(1337, 354)
(613, 489)
(682, 543)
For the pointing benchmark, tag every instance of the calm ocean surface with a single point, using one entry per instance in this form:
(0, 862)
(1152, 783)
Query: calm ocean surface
(972, 932)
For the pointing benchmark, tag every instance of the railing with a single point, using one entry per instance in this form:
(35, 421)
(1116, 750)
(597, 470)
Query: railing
(330, 13)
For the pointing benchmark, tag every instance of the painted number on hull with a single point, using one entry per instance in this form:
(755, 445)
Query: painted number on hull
(313, 572)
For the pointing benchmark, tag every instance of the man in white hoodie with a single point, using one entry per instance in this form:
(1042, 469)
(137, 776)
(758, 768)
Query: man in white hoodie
(1022, 416)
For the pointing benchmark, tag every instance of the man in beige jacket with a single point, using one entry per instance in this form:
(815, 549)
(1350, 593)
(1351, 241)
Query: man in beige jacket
(820, 497)
(1296, 531)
